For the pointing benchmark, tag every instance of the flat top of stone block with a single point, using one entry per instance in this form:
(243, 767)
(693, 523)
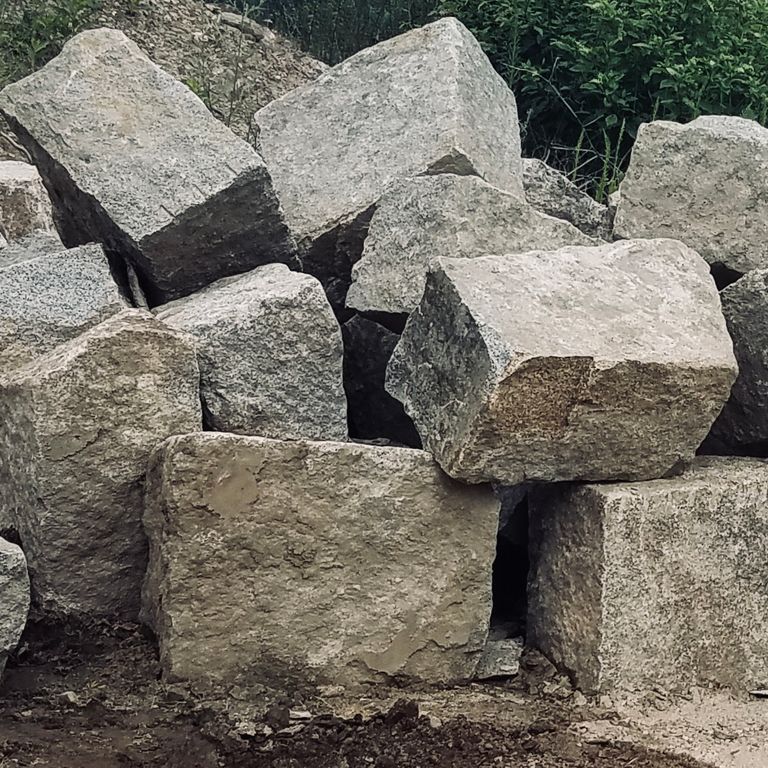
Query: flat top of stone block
(13, 170)
(637, 299)
(721, 126)
(127, 132)
(397, 109)
(31, 246)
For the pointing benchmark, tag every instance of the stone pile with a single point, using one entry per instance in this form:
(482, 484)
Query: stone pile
(393, 332)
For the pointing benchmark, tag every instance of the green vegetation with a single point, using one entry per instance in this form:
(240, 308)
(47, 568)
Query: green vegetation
(32, 33)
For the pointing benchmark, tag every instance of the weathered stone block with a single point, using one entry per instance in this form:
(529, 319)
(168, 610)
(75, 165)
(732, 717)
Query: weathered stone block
(373, 413)
(50, 299)
(427, 101)
(24, 203)
(662, 583)
(270, 355)
(583, 363)
(551, 192)
(76, 429)
(743, 422)
(314, 562)
(14, 598)
(703, 183)
(37, 243)
(421, 219)
(136, 161)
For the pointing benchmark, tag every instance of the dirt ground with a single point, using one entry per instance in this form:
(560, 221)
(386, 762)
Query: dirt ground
(91, 698)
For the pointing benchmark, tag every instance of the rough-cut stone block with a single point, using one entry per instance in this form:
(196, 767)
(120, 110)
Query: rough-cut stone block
(37, 243)
(14, 598)
(314, 562)
(421, 219)
(76, 430)
(743, 423)
(270, 355)
(136, 161)
(24, 202)
(553, 193)
(47, 300)
(373, 413)
(578, 364)
(427, 101)
(703, 183)
(662, 583)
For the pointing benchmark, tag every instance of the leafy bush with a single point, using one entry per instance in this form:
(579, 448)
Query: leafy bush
(587, 72)
(33, 31)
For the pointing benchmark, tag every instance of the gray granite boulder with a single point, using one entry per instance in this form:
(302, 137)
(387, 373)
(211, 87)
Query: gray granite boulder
(298, 563)
(14, 598)
(372, 412)
(704, 183)
(24, 203)
(37, 243)
(270, 354)
(136, 161)
(597, 363)
(418, 220)
(428, 101)
(76, 429)
(743, 423)
(553, 193)
(47, 300)
(655, 584)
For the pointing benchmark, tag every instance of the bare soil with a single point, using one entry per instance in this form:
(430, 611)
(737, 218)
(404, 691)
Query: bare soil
(91, 698)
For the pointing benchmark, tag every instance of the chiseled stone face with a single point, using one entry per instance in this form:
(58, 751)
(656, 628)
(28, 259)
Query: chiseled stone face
(137, 162)
(578, 364)
(77, 427)
(14, 598)
(659, 583)
(49, 299)
(428, 101)
(315, 562)
(704, 183)
(421, 219)
(24, 203)
(270, 354)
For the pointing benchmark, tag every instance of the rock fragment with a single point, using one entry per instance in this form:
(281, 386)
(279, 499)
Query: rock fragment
(418, 220)
(425, 102)
(270, 354)
(14, 598)
(24, 203)
(37, 243)
(373, 413)
(361, 563)
(137, 162)
(742, 425)
(551, 192)
(47, 300)
(578, 364)
(76, 429)
(661, 583)
(703, 183)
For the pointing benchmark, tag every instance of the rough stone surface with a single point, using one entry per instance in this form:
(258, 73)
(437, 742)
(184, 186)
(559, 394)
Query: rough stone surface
(24, 202)
(307, 563)
(47, 300)
(76, 430)
(373, 413)
(137, 162)
(583, 363)
(14, 598)
(501, 658)
(662, 583)
(421, 219)
(553, 193)
(705, 183)
(37, 243)
(743, 422)
(427, 101)
(270, 354)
